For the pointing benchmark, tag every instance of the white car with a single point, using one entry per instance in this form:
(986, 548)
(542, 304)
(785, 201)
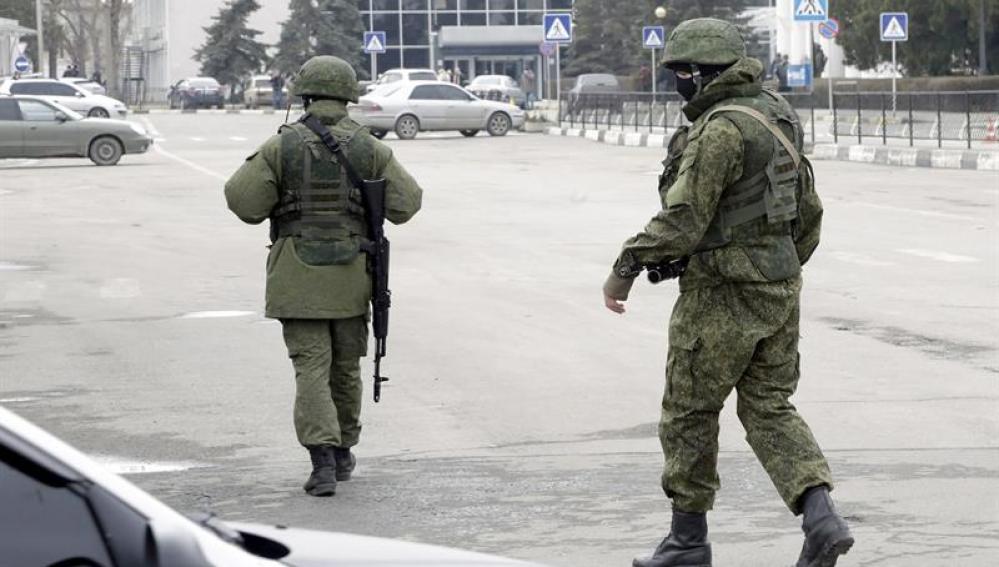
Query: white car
(90, 85)
(413, 107)
(393, 76)
(259, 92)
(72, 96)
(59, 507)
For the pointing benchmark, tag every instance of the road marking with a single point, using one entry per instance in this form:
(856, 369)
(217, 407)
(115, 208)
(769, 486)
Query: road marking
(6, 192)
(119, 465)
(159, 140)
(190, 164)
(20, 400)
(25, 292)
(862, 259)
(237, 138)
(216, 314)
(121, 288)
(913, 211)
(196, 139)
(8, 267)
(938, 256)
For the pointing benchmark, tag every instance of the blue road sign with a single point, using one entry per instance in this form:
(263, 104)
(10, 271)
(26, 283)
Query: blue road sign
(811, 10)
(558, 28)
(829, 29)
(894, 26)
(374, 42)
(799, 75)
(547, 49)
(654, 37)
(21, 64)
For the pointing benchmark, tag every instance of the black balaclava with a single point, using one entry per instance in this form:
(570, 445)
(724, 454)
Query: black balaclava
(701, 76)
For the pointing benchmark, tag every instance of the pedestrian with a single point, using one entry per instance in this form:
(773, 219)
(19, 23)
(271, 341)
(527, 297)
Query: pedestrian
(442, 75)
(782, 83)
(97, 78)
(774, 69)
(456, 75)
(644, 78)
(68, 72)
(733, 228)
(529, 85)
(318, 284)
(277, 89)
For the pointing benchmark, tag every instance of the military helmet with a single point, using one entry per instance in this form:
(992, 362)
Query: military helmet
(704, 41)
(326, 76)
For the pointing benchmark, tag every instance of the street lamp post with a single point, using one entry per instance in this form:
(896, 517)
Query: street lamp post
(660, 13)
(41, 37)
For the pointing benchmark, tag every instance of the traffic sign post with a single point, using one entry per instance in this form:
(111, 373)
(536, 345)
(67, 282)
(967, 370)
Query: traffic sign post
(653, 38)
(21, 64)
(894, 28)
(374, 43)
(558, 30)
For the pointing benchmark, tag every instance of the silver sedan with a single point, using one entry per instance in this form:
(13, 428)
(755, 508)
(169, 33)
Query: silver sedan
(419, 106)
(31, 127)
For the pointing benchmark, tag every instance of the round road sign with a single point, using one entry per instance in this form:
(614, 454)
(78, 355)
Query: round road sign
(21, 64)
(829, 29)
(547, 49)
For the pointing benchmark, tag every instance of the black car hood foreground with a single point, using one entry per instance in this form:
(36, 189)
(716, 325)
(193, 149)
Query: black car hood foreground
(307, 548)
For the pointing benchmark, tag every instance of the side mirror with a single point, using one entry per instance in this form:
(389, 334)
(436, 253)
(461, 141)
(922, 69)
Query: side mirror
(79, 94)
(172, 545)
(61, 117)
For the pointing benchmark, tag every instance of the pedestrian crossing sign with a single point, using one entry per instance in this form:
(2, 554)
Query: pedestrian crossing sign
(894, 26)
(558, 28)
(811, 10)
(653, 37)
(374, 42)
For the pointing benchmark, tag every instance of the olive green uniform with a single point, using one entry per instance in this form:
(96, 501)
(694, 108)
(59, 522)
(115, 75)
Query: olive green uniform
(735, 324)
(318, 284)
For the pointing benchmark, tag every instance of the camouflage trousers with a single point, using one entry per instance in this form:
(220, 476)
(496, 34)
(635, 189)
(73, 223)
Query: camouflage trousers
(742, 337)
(326, 355)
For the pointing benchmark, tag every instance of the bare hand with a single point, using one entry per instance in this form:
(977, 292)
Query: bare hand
(613, 304)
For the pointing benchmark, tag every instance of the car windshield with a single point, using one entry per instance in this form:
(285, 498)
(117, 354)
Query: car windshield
(203, 83)
(487, 81)
(422, 76)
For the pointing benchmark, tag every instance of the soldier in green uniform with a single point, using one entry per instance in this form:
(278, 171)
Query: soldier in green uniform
(318, 284)
(739, 218)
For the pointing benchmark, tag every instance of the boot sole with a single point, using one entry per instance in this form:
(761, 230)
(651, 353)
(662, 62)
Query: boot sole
(322, 491)
(831, 553)
(341, 477)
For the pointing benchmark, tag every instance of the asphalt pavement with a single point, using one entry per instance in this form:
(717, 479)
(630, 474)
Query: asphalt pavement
(521, 414)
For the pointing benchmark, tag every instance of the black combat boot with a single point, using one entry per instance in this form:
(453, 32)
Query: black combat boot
(686, 545)
(322, 481)
(345, 463)
(826, 534)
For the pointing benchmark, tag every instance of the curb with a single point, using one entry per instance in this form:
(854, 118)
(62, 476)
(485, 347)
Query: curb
(981, 160)
(204, 111)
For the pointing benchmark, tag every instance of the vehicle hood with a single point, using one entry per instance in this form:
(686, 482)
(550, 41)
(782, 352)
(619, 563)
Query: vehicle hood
(112, 125)
(309, 548)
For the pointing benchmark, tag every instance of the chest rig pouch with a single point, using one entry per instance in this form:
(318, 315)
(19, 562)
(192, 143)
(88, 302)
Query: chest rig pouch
(318, 206)
(769, 193)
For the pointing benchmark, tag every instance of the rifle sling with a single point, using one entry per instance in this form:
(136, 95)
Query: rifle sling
(331, 143)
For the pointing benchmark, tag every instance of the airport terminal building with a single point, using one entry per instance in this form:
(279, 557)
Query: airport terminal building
(478, 37)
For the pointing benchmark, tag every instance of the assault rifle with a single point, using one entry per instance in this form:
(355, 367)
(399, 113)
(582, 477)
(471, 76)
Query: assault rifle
(373, 199)
(668, 271)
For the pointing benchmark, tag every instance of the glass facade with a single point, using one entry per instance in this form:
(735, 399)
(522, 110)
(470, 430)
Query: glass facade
(408, 24)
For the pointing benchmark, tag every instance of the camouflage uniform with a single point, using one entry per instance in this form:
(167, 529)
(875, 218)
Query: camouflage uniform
(318, 284)
(729, 204)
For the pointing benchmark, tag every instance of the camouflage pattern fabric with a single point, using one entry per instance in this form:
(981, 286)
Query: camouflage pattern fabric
(704, 41)
(326, 356)
(327, 76)
(742, 337)
(735, 324)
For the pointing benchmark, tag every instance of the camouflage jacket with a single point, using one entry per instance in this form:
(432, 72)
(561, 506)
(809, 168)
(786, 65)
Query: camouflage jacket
(296, 289)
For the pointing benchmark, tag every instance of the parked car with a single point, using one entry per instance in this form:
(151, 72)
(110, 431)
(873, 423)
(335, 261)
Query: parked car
(85, 83)
(32, 127)
(59, 507)
(401, 75)
(195, 92)
(69, 95)
(498, 87)
(260, 93)
(412, 107)
(591, 90)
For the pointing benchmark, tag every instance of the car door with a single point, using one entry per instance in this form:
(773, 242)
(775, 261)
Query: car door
(11, 129)
(462, 112)
(426, 102)
(44, 134)
(64, 94)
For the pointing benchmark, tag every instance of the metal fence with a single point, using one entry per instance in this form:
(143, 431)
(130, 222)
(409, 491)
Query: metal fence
(967, 117)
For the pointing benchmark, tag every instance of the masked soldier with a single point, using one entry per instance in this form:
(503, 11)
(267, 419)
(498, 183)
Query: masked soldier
(318, 282)
(739, 218)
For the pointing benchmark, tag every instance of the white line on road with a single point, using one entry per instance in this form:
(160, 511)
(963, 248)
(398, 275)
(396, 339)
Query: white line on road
(119, 465)
(862, 259)
(938, 256)
(913, 211)
(191, 164)
(196, 139)
(8, 267)
(216, 314)
(237, 138)
(121, 288)
(20, 400)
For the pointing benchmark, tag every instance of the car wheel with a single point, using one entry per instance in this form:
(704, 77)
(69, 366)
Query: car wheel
(468, 133)
(499, 124)
(105, 151)
(406, 127)
(173, 104)
(98, 112)
(379, 133)
(184, 105)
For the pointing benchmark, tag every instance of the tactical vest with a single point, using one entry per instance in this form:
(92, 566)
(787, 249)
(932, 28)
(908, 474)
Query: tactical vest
(318, 206)
(761, 202)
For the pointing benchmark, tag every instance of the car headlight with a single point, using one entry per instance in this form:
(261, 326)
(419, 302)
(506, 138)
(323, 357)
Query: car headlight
(137, 129)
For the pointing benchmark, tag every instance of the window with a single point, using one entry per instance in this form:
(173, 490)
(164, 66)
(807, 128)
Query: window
(415, 29)
(452, 93)
(385, 5)
(426, 92)
(9, 109)
(501, 18)
(35, 515)
(421, 75)
(473, 4)
(414, 5)
(37, 111)
(391, 77)
(473, 18)
(501, 4)
(45, 88)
